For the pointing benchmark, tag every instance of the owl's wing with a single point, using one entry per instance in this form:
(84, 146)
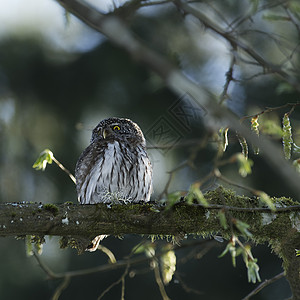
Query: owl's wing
(83, 168)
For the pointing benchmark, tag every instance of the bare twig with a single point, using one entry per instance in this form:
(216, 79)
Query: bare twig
(218, 175)
(237, 43)
(108, 252)
(45, 268)
(185, 286)
(159, 280)
(292, 19)
(271, 109)
(65, 283)
(264, 284)
(229, 78)
(123, 288)
(166, 188)
(238, 21)
(120, 280)
(64, 169)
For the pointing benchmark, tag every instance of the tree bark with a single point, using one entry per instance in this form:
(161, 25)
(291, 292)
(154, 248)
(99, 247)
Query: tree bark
(181, 218)
(280, 228)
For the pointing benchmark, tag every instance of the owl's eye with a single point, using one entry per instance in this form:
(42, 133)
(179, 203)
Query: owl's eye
(116, 128)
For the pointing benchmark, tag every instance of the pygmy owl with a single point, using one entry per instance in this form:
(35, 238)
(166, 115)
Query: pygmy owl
(115, 166)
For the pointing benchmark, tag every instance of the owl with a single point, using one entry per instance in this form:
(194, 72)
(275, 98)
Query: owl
(115, 167)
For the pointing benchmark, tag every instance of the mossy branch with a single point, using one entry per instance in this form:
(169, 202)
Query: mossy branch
(279, 228)
(115, 219)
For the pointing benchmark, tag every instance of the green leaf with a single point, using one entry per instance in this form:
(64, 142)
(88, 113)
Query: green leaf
(230, 248)
(251, 264)
(244, 165)
(222, 219)
(255, 128)
(173, 198)
(287, 139)
(45, 157)
(168, 265)
(297, 252)
(266, 199)
(196, 194)
(242, 227)
(253, 269)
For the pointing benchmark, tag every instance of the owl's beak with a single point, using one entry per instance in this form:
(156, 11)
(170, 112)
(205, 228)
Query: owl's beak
(104, 133)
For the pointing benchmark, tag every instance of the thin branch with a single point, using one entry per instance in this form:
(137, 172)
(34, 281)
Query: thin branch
(196, 252)
(189, 162)
(159, 280)
(237, 43)
(238, 21)
(166, 188)
(251, 209)
(103, 268)
(185, 286)
(64, 169)
(264, 284)
(128, 262)
(271, 109)
(44, 267)
(108, 252)
(229, 78)
(218, 175)
(171, 174)
(120, 280)
(292, 19)
(61, 288)
(123, 288)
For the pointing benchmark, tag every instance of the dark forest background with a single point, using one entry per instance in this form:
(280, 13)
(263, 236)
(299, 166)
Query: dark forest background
(52, 94)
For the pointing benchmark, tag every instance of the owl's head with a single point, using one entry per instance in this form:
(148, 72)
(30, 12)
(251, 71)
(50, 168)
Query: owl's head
(118, 129)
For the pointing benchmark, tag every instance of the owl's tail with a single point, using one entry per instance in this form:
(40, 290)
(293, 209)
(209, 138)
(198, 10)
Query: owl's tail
(95, 243)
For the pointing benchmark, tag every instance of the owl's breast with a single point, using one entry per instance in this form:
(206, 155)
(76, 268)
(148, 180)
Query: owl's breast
(120, 172)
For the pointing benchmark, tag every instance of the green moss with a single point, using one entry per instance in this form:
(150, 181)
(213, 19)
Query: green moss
(51, 208)
(223, 196)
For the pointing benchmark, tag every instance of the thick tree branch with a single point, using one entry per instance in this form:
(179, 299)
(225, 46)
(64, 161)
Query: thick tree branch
(116, 219)
(280, 229)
